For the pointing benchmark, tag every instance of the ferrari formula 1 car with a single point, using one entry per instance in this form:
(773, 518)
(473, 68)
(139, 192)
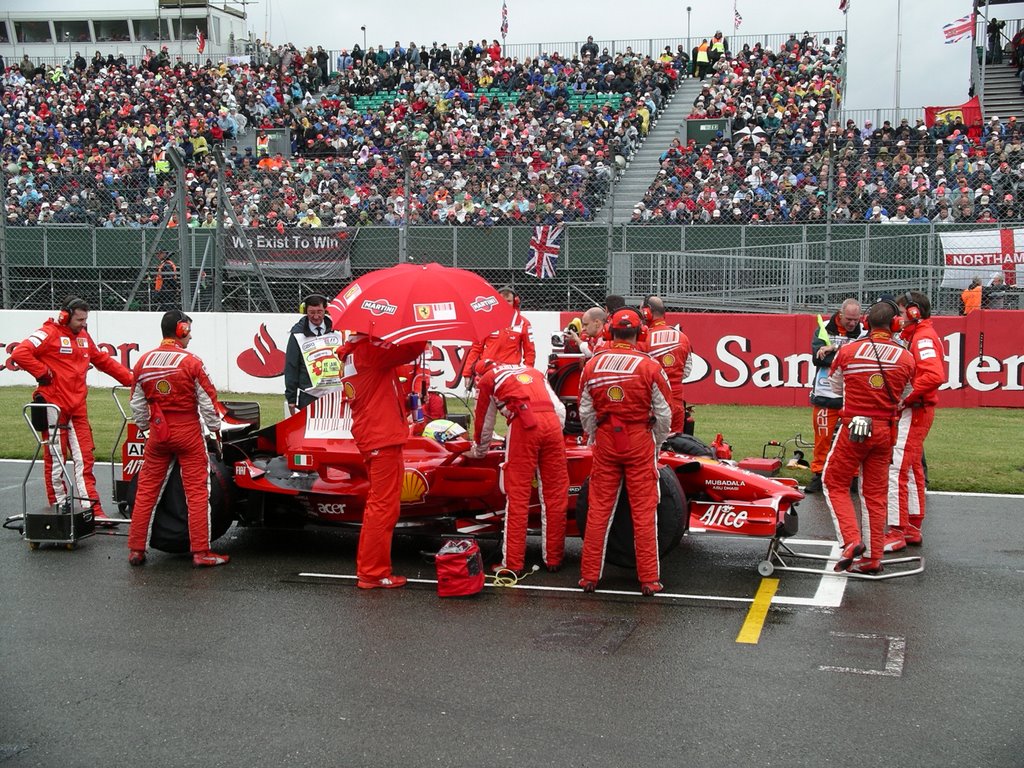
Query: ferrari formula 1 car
(306, 469)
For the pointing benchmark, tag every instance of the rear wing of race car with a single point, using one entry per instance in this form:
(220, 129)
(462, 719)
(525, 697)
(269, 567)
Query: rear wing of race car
(239, 418)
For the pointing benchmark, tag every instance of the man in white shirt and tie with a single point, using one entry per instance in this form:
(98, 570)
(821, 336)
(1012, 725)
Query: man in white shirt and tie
(297, 381)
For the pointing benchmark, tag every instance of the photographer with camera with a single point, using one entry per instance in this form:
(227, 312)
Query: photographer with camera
(871, 374)
(995, 40)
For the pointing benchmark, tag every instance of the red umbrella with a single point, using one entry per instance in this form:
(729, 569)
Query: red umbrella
(421, 302)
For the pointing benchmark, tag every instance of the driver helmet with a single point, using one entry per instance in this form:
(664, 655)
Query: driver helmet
(443, 430)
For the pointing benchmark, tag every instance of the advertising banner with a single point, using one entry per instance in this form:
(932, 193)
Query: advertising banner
(737, 358)
(313, 252)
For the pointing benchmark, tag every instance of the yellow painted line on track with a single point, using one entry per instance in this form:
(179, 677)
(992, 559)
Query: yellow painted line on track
(752, 625)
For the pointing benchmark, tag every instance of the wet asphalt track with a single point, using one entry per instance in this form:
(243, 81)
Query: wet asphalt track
(255, 665)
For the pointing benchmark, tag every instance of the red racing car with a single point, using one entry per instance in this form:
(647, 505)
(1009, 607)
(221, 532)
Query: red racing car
(306, 469)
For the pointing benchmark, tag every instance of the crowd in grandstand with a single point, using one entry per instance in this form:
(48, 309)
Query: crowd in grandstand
(774, 167)
(488, 140)
(492, 139)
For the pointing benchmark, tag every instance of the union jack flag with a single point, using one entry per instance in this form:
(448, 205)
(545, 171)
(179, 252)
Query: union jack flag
(957, 30)
(736, 18)
(504, 19)
(544, 247)
(844, 5)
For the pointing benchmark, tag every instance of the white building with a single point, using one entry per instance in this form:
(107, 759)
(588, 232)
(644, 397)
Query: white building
(52, 31)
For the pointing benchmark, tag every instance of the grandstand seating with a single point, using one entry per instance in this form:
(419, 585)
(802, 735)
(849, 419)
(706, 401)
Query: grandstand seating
(85, 144)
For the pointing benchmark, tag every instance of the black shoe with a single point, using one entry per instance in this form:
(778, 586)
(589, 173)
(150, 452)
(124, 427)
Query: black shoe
(815, 485)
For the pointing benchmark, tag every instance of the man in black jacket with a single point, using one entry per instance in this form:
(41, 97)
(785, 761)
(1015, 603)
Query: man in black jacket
(298, 353)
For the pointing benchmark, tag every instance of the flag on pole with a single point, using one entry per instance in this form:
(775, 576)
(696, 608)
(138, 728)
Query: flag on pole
(200, 40)
(844, 5)
(544, 248)
(504, 20)
(736, 18)
(957, 30)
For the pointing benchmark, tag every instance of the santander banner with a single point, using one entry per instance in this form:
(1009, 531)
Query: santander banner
(766, 359)
(738, 358)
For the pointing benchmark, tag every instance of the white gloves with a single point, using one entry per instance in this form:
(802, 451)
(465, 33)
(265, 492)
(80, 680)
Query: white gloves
(860, 429)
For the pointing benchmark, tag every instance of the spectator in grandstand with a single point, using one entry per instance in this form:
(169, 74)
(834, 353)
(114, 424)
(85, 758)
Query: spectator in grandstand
(919, 216)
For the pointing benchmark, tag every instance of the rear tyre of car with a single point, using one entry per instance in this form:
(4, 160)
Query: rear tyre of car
(169, 532)
(672, 520)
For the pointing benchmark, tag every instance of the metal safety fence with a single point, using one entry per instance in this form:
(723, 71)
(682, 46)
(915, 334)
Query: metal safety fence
(699, 267)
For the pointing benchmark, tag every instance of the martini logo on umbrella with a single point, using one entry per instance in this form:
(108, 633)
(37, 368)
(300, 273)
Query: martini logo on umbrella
(378, 307)
(484, 303)
(438, 311)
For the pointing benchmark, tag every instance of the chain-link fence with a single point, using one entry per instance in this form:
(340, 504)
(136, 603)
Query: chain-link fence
(711, 267)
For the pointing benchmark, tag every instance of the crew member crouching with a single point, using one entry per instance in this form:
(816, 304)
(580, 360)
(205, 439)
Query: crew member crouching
(534, 446)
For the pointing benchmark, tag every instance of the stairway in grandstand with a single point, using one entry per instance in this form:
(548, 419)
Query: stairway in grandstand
(633, 183)
(1002, 95)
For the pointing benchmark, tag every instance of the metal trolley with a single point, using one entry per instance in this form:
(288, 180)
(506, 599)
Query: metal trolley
(66, 522)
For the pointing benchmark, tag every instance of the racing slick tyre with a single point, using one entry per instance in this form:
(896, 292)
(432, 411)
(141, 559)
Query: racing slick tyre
(169, 532)
(672, 520)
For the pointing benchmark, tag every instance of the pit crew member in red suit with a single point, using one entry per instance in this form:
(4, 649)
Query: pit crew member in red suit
(671, 347)
(172, 393)
(58, 355)
(906, 473)
(380, 430)
(844, 326)
(871, 375)
(625, 407)
(534, 446)
(512, 345)
(590, 339)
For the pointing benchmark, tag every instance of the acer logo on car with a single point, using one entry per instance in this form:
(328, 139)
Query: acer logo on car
(324, 508)
(724, 514)
(377, 307)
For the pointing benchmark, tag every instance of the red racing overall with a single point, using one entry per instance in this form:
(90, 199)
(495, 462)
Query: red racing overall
(625, 407)
(172, 393)
(906, 474)
(512, 345)
(534, 446)
(56, 354)
(671, 347)
(869, 374)
(380, 430)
